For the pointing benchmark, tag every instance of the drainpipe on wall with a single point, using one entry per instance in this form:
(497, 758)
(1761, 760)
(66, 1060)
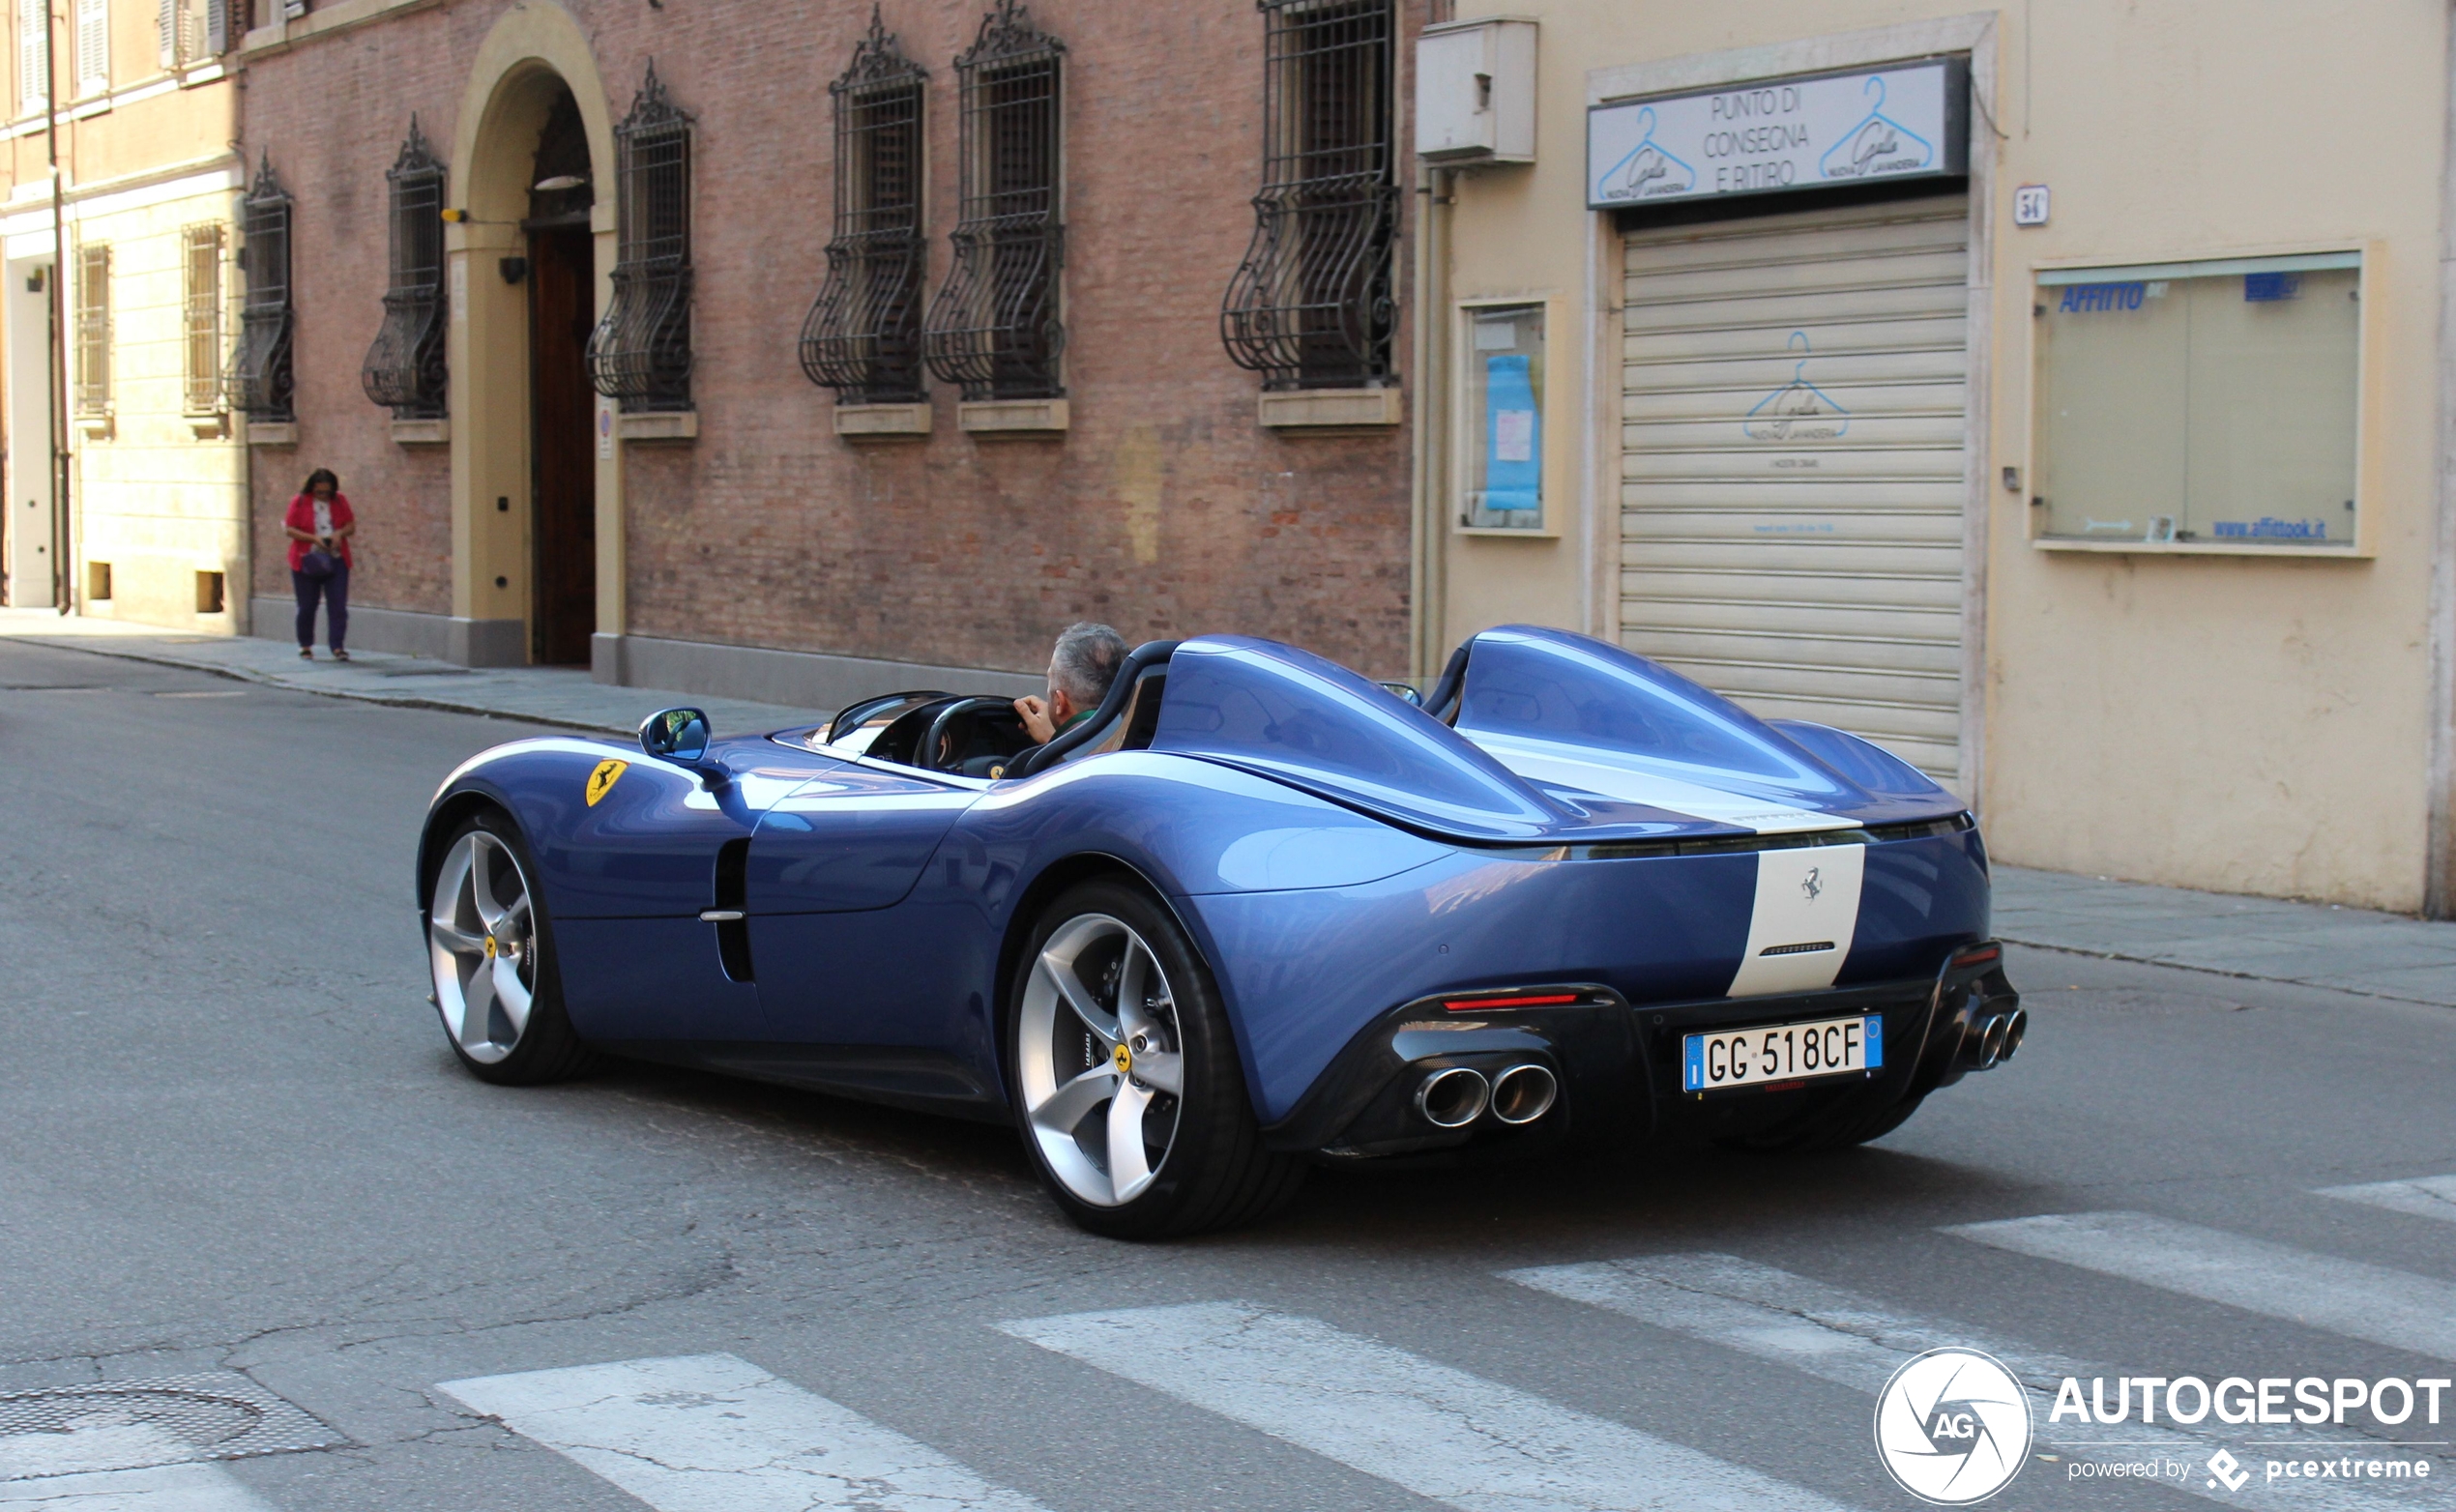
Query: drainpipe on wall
(1430, 566)
(63, 571)
(2439, 873)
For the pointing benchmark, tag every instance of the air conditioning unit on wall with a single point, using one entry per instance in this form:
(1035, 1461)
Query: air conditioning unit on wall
(1476, 92)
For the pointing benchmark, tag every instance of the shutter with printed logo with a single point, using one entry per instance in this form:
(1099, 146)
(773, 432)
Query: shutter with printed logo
(1793, 481)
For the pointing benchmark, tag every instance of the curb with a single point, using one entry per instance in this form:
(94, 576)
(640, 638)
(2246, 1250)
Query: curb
(2218, 971)
(262, 679)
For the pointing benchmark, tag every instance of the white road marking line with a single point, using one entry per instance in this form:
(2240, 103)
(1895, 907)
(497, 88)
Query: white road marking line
(1437, 1431)
(2396, 1308)
(2424, 1196)
(166, 1488)
(713, 1433)
(1855, 1341)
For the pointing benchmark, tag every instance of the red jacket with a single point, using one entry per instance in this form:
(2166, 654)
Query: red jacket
(302, 516)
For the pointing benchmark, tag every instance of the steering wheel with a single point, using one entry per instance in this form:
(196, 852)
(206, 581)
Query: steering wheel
(941, 728)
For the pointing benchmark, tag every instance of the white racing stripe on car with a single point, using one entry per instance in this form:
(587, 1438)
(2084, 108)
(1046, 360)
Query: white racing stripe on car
(1437, 1431)
(1543, 761)
(2396, 1308)
(1857, 1341)
(2424, 1196)
(1807, 896)
(713, 1433)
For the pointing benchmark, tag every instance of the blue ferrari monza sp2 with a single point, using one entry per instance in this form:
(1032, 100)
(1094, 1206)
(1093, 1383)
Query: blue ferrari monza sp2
(1254, 914)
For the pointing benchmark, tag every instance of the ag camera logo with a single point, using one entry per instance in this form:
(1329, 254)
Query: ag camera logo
(1952, 1427)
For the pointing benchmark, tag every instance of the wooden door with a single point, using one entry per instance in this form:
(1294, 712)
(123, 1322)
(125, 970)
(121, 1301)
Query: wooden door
(564, 530)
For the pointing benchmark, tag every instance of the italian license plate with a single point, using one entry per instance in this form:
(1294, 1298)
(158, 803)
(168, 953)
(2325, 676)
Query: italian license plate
(1781, 1053)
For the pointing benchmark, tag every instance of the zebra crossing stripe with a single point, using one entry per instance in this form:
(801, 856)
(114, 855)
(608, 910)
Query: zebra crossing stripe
(713, 1433)
(2424, 1196)
(2396, 1308)
(164, 1488)
(1858, 1342)
(1437, 1431)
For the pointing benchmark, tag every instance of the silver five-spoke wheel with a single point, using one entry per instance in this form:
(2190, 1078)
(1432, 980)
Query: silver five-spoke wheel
(1101, 1060)
(482, 941)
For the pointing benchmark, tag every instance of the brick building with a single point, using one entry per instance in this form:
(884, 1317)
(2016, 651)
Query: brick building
(585, 295)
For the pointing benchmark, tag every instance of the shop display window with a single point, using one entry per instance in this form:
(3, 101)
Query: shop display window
(1505, 418)
(2199, 404)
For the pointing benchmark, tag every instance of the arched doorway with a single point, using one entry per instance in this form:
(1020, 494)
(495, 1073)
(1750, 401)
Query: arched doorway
(562, 286)
(536, 501)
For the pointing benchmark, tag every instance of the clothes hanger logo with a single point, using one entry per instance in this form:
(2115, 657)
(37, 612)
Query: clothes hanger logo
(1798, 409)
(1877, 145)
(1646, 171)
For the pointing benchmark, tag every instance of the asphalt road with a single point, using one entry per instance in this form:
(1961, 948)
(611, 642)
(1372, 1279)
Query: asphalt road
(232, 1140)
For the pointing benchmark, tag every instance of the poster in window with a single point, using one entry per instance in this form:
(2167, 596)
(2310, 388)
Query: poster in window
(1505, 483)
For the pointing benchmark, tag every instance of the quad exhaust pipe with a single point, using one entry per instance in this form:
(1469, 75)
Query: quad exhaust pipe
(1455, 1096)
(1524, 1093)
(1999, 1037)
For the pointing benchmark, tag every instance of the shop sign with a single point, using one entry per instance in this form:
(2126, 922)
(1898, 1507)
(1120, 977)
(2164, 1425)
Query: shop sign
(1780, 136)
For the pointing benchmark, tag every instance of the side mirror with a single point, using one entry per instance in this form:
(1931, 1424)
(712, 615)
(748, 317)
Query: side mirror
(675, 735)
(1406, 693)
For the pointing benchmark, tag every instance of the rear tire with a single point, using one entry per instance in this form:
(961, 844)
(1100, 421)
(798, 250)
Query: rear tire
(490, 956)
(1125, 1076)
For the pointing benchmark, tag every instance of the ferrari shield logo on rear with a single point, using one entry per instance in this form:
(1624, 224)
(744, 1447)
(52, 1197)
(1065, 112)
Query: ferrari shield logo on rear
(601, 780)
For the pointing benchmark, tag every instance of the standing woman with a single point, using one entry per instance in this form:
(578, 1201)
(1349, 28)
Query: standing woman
(320, 526)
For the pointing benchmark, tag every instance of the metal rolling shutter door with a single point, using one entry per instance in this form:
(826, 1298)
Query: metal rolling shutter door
(1792, 482)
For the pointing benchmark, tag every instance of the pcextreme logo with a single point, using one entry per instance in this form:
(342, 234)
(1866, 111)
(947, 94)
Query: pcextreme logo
(1952, 1427)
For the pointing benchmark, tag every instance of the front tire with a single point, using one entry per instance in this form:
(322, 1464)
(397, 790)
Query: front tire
(1125, 1076)
(490, 951)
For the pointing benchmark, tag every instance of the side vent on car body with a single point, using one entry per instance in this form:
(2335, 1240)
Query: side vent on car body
(733, 930)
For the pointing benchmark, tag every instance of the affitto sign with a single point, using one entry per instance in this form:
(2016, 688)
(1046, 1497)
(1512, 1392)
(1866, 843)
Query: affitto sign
(1780, 136)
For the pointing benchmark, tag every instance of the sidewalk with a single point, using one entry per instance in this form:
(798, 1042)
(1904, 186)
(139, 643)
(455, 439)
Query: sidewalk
(541, 695)
(2382, 955)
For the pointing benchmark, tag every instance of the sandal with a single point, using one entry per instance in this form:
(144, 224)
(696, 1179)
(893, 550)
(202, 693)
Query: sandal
(307, 653)
(338, 654)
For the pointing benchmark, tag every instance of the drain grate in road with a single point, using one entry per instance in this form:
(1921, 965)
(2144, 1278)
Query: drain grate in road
(126, 1425)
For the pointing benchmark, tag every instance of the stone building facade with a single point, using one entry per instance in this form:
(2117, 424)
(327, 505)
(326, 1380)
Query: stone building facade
(125, 473)
(741, 529)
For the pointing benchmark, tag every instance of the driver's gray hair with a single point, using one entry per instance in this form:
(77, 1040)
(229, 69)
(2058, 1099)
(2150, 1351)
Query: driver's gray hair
(1086, 661)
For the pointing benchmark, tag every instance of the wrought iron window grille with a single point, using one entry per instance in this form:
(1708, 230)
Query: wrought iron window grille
(640, 353)
(863, 334)
(404, 369)
(996, 327)
(94, 327)
(258, 381)
(1311, 305)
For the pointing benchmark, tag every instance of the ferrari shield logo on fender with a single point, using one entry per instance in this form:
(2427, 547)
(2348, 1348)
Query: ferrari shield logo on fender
(601, 780)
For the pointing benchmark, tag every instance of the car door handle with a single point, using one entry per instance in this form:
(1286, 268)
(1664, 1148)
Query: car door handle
(721, 915)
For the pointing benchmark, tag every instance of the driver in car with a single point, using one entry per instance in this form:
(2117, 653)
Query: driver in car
(1081, 668)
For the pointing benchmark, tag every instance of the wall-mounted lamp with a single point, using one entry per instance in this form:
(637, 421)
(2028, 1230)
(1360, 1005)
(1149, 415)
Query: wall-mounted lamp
(558, 184)
(514, 269)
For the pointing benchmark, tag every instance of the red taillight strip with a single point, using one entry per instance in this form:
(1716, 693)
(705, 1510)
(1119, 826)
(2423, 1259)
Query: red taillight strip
(1976, 957)
(1531, 1001)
